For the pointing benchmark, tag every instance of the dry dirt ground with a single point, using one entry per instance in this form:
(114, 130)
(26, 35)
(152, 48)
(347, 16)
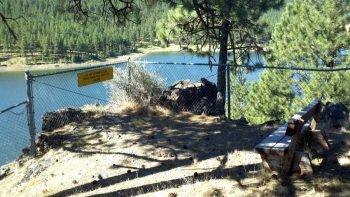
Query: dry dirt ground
(158, 153)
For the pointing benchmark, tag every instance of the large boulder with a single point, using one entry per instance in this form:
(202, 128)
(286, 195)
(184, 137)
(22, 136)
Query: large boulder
(185, 95)
(61, 117)
(335, 113)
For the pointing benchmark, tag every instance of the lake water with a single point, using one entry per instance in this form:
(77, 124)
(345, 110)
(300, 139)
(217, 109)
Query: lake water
(13, 91)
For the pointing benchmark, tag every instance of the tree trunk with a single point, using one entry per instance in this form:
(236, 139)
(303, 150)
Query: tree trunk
(221, 80)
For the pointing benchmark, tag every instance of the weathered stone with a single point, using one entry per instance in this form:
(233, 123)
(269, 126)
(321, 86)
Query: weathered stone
(61, 117)
(185, 95)
(336, 114)
(46, 142)
(4, 170)
(36, 168)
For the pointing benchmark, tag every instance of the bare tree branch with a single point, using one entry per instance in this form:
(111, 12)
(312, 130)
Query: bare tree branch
(5, 21)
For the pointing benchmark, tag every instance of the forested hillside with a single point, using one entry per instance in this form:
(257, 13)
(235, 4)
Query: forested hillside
(47, 33)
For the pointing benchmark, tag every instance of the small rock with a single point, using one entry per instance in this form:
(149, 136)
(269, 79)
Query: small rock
(4, 170)
(317, 188)
(303, 188)
(172, 195)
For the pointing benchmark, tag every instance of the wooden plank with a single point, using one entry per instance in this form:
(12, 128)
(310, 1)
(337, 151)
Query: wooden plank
(306, 128)
(292, 147)
(272, 162)
(302, 163)
(281, 147)
(318, 111)
(265, 146)
(300, 119)
(278, 150)
(290, 131)
(304, 116)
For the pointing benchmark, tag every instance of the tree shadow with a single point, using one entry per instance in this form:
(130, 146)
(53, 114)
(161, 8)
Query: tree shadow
(179, 139)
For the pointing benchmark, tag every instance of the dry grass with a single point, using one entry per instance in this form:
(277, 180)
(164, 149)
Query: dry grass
(153, 152)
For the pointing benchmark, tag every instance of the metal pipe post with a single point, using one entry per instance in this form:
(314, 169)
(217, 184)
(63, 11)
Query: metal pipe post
(30, 112)
(228, 92)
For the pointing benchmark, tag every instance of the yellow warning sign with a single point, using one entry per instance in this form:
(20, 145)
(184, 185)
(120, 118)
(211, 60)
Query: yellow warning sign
(95, 76)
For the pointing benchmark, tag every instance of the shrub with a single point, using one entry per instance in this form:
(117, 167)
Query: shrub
(135, 84)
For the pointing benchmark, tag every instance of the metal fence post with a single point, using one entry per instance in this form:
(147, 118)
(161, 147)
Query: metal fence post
(129, 71)
(30, 111)
(228, 92)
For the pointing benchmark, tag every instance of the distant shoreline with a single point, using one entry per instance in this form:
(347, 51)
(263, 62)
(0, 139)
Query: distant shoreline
(55, 66)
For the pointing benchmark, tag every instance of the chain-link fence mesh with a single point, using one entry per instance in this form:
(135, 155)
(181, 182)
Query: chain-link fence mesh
(14, 135)
(253, 94)
(276, 93)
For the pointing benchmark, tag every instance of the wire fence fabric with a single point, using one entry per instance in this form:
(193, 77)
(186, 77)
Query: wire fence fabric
(14, 135)
(255, 94)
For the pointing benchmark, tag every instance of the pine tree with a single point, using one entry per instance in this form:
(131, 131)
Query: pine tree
(328, 86)
(240, 87)
(272, 97)
(224, 26)
(312, 34)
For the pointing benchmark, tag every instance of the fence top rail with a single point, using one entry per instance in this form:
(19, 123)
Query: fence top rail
(250, 66)
(178, 63)
(14, 106)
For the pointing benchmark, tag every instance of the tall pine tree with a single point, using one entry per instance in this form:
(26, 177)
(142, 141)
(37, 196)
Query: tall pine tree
(224, 26)
(312, 33)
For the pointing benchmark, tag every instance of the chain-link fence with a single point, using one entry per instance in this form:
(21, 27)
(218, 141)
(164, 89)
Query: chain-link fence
(276, 93)
(14, 135)
(252, 93)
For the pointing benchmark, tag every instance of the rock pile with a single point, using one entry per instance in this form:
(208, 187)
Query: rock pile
(336, 114)
(185, 95)
(61, 117)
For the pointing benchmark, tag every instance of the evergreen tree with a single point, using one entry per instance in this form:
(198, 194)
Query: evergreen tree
(32, 20)
(312, 34)
(327, 86)
(222, 25)
(272, 97)
(240, 87)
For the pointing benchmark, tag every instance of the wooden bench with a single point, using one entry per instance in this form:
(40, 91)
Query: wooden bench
(278, 150)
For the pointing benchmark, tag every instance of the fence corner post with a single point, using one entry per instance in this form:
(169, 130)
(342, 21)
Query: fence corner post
(30, 112)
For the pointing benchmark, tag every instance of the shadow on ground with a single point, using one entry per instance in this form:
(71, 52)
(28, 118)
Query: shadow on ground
(175, 141)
